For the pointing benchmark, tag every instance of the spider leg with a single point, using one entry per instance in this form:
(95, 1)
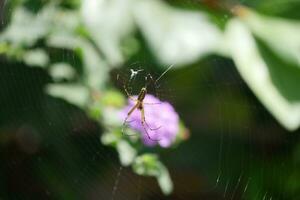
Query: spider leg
(154, 82)
(145, 123)
(125, 89)
(127, 117)
(146, 103)
(128, 94)
(152, 129)
(152, 79)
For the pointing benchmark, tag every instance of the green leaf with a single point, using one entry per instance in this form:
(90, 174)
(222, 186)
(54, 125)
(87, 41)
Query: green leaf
(109, 138)
(66, 21)
(64, 35)
(176, 36)
(126, 152)
(281, 35)
(111, 116)
(96, 69)
(36, 57)
(74, 94)
(26, 28)
(149, 165)
(113, 98)
(146, 165)
(164, 180)
(109, 23)
(64, 40)
(277, 87)
(95, 111)
(60, 71)
(4, 47)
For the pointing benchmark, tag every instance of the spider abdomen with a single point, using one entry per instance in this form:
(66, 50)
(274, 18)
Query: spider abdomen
(142, 94)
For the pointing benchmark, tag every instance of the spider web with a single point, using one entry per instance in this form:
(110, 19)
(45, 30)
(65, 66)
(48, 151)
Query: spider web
(226, 120)
(51, 150)
(225, 157)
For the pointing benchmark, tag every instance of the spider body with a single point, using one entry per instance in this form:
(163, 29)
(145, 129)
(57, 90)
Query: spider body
(142, 94)
(140, 105)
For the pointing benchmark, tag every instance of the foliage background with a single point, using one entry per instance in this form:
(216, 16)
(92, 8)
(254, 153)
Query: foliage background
(51, 148)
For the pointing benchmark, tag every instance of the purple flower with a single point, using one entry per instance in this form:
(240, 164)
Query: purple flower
(162, 121)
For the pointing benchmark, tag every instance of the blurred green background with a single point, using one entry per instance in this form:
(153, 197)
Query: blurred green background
(54, 55)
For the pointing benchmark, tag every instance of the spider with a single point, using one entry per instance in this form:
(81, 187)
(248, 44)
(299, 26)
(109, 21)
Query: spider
(139, 104)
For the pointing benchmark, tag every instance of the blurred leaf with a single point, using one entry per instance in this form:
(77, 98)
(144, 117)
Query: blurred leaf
(4, 47)
(95, 111)
(130, 46)
(64, 40)
(176, 36)
(26, 28)
(164, 180)
(281, 35)
(149, 165)
(66, 21)
(113, 98)
(74, 94)
(14, 52)
(96, 70)
(268, 82)
(108, 22)
(126, 152)
(111, 116)
(109, 138)
(95, 67)
(61, 71)
(146, 165)
(112, 102)
(64, 35)
(36, 57)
